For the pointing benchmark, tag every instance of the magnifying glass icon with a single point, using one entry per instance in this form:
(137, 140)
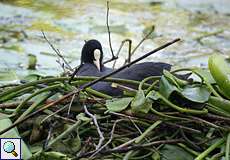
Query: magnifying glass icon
(9, 147)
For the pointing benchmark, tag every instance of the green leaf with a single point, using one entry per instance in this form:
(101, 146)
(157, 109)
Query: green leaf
(220, 71)
(118, 104)
(156, 156)
(174, 152)
(53, 155)
(196, 94)
(32, 61)
(32, 77)
(153, 95)
(82, 117)
(205, 74)
(13, 133)
(140, 103)
(74, 144)
(8, 75)
(167, 88)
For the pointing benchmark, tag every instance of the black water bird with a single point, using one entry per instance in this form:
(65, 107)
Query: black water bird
(92, 65)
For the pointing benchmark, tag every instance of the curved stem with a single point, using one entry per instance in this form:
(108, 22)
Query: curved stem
(145, 80)
(167, 116)
(183, 110)
(151, 87)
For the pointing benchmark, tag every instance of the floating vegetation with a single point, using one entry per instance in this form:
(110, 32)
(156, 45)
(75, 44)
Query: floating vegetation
(57, 9)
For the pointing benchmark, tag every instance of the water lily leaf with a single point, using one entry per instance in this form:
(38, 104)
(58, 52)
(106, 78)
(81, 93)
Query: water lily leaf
(8, 76)
(32, 77)
(167, 88)
(196, 94)
(140, 103)
(14, 47)
(119, 104)
(205, 74)
(175, 153)
(13, 133)
(32, 61)
(220, 71)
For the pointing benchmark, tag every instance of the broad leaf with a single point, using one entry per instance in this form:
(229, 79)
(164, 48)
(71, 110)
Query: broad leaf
(205, 74)
(119, 104)
(140, 103)
(13, 133)
(174, 152)
(166, 88)
(196, 94)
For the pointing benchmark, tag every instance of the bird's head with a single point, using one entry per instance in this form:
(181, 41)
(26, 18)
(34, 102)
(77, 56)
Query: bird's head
(92, 53)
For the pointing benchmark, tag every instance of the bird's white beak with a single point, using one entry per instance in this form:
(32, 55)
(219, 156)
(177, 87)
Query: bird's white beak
(97, 56)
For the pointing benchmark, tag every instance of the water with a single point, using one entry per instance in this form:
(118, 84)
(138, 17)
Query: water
(67, 23)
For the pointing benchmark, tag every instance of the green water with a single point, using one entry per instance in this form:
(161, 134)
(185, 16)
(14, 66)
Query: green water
(203, 26)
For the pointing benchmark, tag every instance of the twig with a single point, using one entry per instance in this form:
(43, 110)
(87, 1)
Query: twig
(54, 113)
(70, 104)
(60, 117)
(88, 85)
(110, 43)
(138, 45)
(198, 148)
(199, 120)
(122, 44)
(58, 53)
(107, 24)
(136, 126)
(129, 51)
(97, 126)
(135, 147)
(110, 139)
(145, 37)
(49, 135)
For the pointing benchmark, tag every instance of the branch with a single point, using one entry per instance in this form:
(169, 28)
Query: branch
(110, 43)
(135, 147)
(122, 44)
(109, 141)
(145, 37)
(97, 126)
(58, 53)
(107, 24)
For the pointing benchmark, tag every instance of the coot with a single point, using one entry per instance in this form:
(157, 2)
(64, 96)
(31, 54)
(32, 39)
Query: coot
(92, 65)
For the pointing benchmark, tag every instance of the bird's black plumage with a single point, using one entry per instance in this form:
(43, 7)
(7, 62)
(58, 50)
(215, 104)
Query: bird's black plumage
(135, 72)
(87, 55)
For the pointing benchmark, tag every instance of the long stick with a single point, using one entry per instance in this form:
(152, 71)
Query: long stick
(88, 85)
